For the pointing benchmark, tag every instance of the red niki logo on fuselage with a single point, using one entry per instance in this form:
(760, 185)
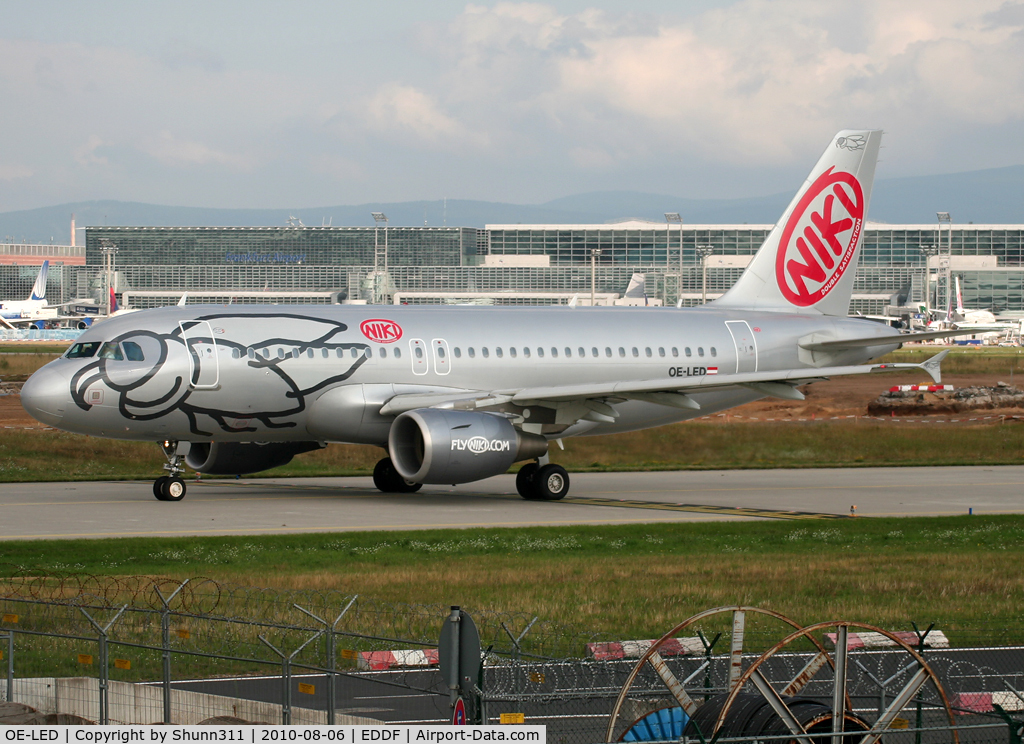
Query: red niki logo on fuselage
(380, 330)
(820, 238)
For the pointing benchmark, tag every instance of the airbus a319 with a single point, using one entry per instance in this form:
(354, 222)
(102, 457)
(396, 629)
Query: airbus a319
(458, 394)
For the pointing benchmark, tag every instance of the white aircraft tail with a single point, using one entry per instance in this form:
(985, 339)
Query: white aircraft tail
(808, 261)
(39, 288)
(959, 298)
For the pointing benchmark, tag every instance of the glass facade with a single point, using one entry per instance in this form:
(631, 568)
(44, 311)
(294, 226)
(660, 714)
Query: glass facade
(307, 264)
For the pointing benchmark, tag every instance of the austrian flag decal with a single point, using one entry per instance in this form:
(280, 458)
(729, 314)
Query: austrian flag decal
(712, 370)
(820, 237)
(380, 330)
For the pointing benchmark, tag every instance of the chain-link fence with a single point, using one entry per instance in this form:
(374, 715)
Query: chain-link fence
(144, 650)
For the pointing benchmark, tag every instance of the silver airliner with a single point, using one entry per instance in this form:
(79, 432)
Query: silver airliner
(455, 395)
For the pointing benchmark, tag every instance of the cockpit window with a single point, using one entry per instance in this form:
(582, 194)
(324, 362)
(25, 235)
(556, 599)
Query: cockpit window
(82, 350)
(133, 352)
(110, 350)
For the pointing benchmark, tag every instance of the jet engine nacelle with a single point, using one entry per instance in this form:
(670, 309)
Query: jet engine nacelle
(240, 458)
(432, 445)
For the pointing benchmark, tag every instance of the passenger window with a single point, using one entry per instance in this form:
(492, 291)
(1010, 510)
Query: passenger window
(419, 352)
(458, 352)
(526, 352)
(499, 353)
(472, 352)
(325, 353)
(368, 352)
(512, 351)
(581, 352)
(554, 352)
(622, 352)
(280, 352)
(636, 353)
(82, 350)
(382, 352)
(675, 351)
(339, 353)
(355, 353)
(661, 351)
(607, 351)
(235, 353)
(700, 351)
(486, 353)
(110, 350)
(647, 351)
(398, 353)
(440, 352)
(309, 353)
(593, 351)
(714, 352)
(688, 352)
(133, 352)
(540, 351)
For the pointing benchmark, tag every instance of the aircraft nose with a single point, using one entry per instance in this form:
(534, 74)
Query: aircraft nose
(45, 395)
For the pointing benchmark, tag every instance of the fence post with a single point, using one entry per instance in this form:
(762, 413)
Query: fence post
(10, 666)
(104, 671)
(331, 661)
(286, 676)
(920, 649)
(165, 634)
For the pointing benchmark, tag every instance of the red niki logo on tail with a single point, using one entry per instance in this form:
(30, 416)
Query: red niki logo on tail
(826, 225)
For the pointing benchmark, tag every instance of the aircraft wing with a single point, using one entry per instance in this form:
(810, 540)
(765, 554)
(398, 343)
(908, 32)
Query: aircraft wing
(668, 391)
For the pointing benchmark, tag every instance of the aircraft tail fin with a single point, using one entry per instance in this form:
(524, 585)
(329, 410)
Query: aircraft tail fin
(808, 261)
(113, 302)
(39, 288)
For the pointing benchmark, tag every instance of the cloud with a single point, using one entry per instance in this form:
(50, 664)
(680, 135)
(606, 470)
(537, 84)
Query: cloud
(406, 110)
(14, 172)
(175, 151)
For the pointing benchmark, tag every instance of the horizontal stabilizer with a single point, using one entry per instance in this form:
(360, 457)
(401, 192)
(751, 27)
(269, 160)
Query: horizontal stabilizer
(903, 338)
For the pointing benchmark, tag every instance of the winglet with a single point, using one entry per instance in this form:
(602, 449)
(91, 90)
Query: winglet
(932, 366)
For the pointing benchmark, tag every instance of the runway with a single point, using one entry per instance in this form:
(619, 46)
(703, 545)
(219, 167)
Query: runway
(280, 506)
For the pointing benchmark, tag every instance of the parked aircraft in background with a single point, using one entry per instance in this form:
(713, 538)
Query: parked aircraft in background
(978, 323)
(457, 394)
(33, 311)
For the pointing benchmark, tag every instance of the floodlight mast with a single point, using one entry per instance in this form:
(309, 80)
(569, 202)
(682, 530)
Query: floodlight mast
(931, 299)
(594, 253)
(670, 219)
(380, 258)
(109, 251)
(947, 219)
(704, 251)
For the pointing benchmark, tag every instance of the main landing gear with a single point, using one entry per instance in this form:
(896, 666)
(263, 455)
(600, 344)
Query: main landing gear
(171, 487)
(536, 482)
(389, 480)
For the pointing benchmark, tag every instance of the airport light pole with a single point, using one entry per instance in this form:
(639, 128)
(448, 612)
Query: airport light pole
(594, 253)
(380, 260)
(946, 219)
(704, 251)
(672, 218)
(928, 251)
(108, 250)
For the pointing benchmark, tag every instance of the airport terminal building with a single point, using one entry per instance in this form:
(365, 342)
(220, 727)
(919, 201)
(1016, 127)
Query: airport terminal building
(501, 264)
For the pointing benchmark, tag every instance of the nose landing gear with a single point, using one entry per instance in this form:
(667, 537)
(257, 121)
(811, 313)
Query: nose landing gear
(172, 487)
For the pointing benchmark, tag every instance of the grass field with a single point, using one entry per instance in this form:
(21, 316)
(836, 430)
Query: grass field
(962, 573)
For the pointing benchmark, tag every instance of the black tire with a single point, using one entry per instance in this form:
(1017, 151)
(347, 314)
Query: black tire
(524, 481)
(389, 480)
(551, 483)
(158, 487)
(173, 489)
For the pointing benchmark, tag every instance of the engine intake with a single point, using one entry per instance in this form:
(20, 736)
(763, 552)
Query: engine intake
(241, 458)
(432, 445)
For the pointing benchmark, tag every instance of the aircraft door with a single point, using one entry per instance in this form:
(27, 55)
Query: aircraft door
(442, 365)
(743, 341)
(203, 364)
(418, 352)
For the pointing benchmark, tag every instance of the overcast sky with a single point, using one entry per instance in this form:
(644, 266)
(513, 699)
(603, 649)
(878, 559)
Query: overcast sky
(308, 103)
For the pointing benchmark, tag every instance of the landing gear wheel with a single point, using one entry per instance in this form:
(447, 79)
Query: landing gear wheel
(525, 481)
(173, 489)
(551, 483)
(389, 480)
(158, 487)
